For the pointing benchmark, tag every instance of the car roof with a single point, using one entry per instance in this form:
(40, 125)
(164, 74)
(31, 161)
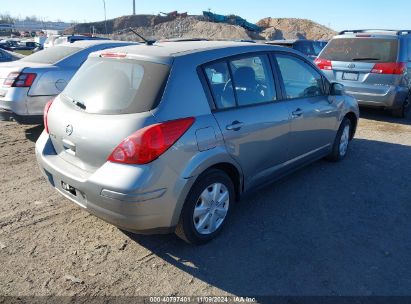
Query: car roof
(285, 41)
(374, 33)
(170, 50)
(84, 44)
(288, 41)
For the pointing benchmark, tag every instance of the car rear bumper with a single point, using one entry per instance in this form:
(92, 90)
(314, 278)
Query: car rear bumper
(6, 115)
(392, 97)
(23, 106)
(373, 90)
(17, 106)
(148, 207)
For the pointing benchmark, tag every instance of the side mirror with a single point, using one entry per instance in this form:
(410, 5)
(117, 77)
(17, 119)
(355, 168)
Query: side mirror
(337, 89)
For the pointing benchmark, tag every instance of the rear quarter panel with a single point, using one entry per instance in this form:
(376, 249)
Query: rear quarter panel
(50, 81)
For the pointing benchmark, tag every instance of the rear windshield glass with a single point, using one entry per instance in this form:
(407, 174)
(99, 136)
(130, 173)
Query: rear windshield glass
(51, 55)
(318, 46)
(305, 47)
(361, 49)
(112, 86)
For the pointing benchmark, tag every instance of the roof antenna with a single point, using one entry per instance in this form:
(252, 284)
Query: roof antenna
(146, 41)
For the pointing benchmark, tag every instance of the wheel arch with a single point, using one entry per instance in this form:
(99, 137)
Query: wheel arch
(233, 174)
(354, 122)
(212, 159)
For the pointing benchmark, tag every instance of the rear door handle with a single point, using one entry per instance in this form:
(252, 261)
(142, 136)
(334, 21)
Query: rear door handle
(297, 113)
(235, 126)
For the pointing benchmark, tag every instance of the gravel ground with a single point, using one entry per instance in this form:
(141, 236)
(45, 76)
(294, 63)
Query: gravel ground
(328, 229)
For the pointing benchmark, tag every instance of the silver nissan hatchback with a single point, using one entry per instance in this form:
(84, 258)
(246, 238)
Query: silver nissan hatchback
(166, 137)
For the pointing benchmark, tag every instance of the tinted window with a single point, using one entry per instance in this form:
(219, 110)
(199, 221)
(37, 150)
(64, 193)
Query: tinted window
(108, 86)
(361, 49)
(51, 55)
(253, 80)
(318, 47)
(300, 79)
(220, 84)
(409, 49)
(305, 47)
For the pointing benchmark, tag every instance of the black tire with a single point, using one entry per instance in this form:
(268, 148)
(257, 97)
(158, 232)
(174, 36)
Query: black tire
(186, 228)
(403, 111)
(398, 112)
(336, 154)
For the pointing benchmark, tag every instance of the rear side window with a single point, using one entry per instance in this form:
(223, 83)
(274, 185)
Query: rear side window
(300, 79)
(112, 86)
(361, 49)
(51, 55)
(220, 84)
(241, 82)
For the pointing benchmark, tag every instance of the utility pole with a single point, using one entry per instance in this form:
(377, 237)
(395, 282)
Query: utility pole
(105, 15)
(134, 7)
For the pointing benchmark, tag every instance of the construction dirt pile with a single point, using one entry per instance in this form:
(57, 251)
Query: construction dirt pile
(191, 27)
(165, 27)
(292, 28)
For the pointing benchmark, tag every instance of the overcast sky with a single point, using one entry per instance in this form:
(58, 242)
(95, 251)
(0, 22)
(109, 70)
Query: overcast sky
(339, 15)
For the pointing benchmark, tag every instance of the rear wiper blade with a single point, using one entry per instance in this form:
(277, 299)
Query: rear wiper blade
(77, 103)
(365, 59)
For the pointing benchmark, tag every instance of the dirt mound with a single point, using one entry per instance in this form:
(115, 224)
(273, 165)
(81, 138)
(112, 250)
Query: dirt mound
(117, 24)
(292, 28)
(190, 27)
(163, 27)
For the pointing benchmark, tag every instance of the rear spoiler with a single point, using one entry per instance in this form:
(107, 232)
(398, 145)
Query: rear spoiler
(397, 32)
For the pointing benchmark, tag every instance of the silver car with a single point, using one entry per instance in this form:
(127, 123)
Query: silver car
(166, 137)
(373, 65)
(7, 56)
(27, 84)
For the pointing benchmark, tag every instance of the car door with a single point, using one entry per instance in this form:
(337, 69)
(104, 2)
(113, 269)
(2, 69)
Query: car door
(408, 61)
(313, 114)
(254, 124)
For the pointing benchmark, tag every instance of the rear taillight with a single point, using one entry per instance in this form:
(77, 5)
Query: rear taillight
(19, 80)
(46, 112)
(394, 68)
(149, 143)
(324, 64)
(8, 82)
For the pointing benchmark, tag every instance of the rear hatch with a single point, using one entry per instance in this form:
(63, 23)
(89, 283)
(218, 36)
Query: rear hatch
(361, 61)
(107, 100)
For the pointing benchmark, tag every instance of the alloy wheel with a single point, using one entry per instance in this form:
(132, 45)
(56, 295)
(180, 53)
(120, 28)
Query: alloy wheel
(344, 141)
